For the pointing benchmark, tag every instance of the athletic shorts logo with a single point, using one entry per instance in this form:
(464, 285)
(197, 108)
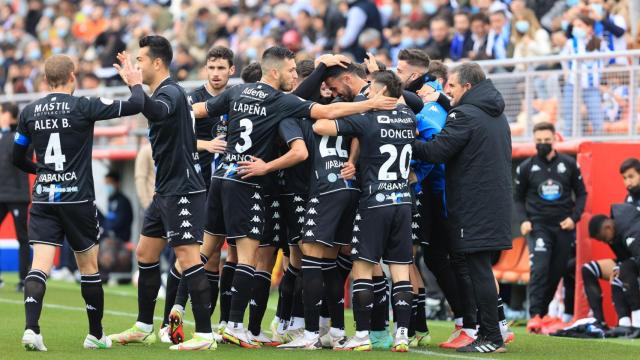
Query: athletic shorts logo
(185, 224)
(187, 236)
(630, 241)
(256, 196)
(354, 240)
(299, 209)
(253, 303)
(401, 303)
(540, 245)
(90, 307)
(297, 199)
(275, 204)
(301, 220)
(356, 228)
(370, 306)
(184, 212)
(312, 211)
(255, 207)
(255, 219)
(309, 233)
(276, 227)
(184, 200)
(255, 231)
(233, 289)
(30, 300)
(276, 216)
(311, 222)
(314, 201)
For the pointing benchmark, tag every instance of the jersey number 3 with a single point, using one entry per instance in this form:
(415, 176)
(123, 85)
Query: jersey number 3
(245, 135)
(405, 158)
(53, 154)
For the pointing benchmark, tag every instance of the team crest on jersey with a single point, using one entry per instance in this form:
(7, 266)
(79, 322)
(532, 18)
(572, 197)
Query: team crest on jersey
(561, 168)
(106, 101)
(630, 241)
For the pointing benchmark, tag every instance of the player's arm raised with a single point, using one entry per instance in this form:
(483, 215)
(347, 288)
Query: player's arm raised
(337, 110)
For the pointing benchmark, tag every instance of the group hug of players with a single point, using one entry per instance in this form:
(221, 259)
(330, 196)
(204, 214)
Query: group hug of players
(251, 165)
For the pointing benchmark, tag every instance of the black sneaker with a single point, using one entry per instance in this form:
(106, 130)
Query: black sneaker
(618, 331)
(482, 345)
(633, 334)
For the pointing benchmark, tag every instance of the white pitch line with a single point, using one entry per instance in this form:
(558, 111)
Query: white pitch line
(79, 309)
(452, 356)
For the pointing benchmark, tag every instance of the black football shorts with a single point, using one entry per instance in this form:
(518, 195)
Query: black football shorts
(177, 218)
(51, 224)
(383, 233)
(329, 218)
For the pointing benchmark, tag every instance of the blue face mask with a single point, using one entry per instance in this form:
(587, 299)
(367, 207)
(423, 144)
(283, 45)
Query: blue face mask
(386, 11)
(522, 26)
(572, 3)
(579, 33)
(475, 9)
(406, 9)
(62, 32)
(407, 43)
(252, 53)
(421, 42)
(598, 9)
(56, 50)
(564, 25)
(429, 8)
(48, 12)
(123, 11)
(372, 51)
(34, 54)
(109, 189)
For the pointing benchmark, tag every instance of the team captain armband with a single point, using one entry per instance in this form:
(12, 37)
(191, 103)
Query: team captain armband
(21, 140)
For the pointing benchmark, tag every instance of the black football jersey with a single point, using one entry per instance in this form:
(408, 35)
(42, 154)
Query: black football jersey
(385, 153)
(320, 173)
(173, 140)
(254, 113)
(209, 127)
(60, 127)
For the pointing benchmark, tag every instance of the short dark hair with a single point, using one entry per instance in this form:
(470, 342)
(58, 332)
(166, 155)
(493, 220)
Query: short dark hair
(58, 70)
(277, 53)
(438, 69)
(12, 109)
(544, 125)
(595, 225)
(630, 163)
(469, 73)
(337, 70)
(220, 52)
(390, 80)
(480, 17)
(251, 73)
(112, 174)
(415, 57)
(463, 13)
(159, 48)
(381, 65)
(304, 68)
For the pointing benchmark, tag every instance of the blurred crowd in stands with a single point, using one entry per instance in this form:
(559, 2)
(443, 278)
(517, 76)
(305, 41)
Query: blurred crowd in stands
(451, 30)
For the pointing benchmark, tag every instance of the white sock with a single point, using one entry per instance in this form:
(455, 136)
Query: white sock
(144, 327)
(635, 319)
(282, 325)
(325, 322)
(335, 332)
(458, 321)
(624, 321)
(310, 335)
(178, 307)
(235, 325)
(504, 327)
(208, 336)
(296, 323)
(362, 334)
(402, 331)
(567, 317)
(470, 332)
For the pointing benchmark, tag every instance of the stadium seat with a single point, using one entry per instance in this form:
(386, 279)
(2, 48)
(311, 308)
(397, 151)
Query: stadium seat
(520, 273)
(509, 258)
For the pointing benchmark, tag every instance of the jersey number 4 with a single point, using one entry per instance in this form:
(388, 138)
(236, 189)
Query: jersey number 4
(53, 154)
(405, 159)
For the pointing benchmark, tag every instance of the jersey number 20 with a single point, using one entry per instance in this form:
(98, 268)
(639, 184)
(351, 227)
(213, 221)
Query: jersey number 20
(53, 154)
(405, 159)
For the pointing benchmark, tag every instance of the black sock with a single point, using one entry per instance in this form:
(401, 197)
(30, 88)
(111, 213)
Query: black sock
(501, 316)
(35, 285)
(619, 302)
(297, 311)
(173, 280)
(334, 291)
(241, 289)
(259, 299)
(148, 286)
(182, 294)
(313, 288)
(421, 320)
(380, 313)
(200, 297)
(362, 303)
(214, 282)
(288, 286)
(402, 303)
(93, 295)
(226, 281)
(590, 275)
(344, 267)
(414, 315)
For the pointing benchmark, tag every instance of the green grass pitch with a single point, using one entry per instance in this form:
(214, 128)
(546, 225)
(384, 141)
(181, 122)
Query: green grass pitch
(64, 326)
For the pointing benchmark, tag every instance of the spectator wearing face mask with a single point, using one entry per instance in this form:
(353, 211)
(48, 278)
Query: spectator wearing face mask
(439, 44)
(498, 38)
(611, 27)
(528, 37)
(583, 41)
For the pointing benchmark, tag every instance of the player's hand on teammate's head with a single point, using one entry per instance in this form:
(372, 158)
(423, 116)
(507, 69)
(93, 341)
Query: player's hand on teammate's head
(255, 167)
(348, 170)
(371, 63)
(382, 102)
(332, 60)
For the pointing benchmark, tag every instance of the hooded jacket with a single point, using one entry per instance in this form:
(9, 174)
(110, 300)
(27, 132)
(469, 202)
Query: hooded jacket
(475, 146)
(14, 187)
(626, 243)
